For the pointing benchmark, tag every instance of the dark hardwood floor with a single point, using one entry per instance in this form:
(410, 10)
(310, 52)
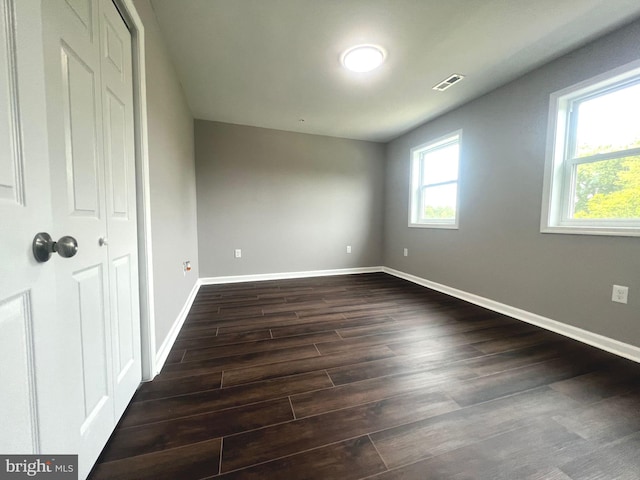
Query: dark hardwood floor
(369, 376)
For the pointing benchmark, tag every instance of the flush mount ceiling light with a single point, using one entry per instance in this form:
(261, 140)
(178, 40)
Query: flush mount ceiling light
(363, 58)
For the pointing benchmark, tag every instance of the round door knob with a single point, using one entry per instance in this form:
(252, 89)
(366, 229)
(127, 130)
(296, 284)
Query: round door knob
(66, 246)
(102, 241)
(43, 246)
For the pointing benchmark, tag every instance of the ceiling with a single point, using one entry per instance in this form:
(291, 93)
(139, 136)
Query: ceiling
(271, 63)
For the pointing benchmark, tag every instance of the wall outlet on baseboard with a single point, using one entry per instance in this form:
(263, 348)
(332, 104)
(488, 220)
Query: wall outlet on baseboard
(406, 252)
(237, 253)
(620, 294)
(348, 248)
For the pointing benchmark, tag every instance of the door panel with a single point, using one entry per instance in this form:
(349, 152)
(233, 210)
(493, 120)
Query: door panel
(114, 46)
(11, 158)
(81, 143)
(84, 11)
(123, 317)
(116, 156)
(91, 319)
(16, 344)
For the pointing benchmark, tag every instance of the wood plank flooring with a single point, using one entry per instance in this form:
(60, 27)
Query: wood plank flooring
(369, 376)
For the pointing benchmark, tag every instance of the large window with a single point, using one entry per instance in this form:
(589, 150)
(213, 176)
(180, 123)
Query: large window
(433, 201)
(592, 182)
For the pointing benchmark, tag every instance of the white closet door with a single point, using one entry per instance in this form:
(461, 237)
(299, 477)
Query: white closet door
(88, 72)
(119, 151)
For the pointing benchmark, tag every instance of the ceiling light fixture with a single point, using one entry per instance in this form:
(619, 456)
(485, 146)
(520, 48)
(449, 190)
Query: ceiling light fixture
(363, 58)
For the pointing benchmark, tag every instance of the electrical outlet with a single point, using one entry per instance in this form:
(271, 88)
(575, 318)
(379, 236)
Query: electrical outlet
(348, 248)
(237, 253)
(620, 294)
(406, 252)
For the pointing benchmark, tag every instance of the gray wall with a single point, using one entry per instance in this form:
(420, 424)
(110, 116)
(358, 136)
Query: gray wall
(290, 201)
(499, 252)
(172, 179)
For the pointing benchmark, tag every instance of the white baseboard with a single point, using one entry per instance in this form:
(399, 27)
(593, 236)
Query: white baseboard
(170, 339)
(599, 341)
(286, 275)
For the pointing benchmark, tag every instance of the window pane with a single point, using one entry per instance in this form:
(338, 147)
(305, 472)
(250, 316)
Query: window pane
(608, 190)
(440, 165)
(439, 203)
(609, 123)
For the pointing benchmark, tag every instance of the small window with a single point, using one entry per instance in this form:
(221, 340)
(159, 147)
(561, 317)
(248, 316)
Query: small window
(433, 199)
(592, 181)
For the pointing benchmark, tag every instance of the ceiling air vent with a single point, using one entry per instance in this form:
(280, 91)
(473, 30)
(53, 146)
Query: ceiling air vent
(442, 86)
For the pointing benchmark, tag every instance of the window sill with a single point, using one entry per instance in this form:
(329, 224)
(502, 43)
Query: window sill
(446, 226)
(602, 231)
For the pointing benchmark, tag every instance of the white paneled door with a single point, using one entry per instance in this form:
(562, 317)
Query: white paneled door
(73, 323)
(87, 56)
(27, 290)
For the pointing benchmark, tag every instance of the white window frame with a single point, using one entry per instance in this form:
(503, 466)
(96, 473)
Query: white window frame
(416, 186)
(559, 170)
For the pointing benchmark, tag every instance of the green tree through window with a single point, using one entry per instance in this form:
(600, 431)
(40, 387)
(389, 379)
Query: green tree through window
(608, 189)
(439, 212)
